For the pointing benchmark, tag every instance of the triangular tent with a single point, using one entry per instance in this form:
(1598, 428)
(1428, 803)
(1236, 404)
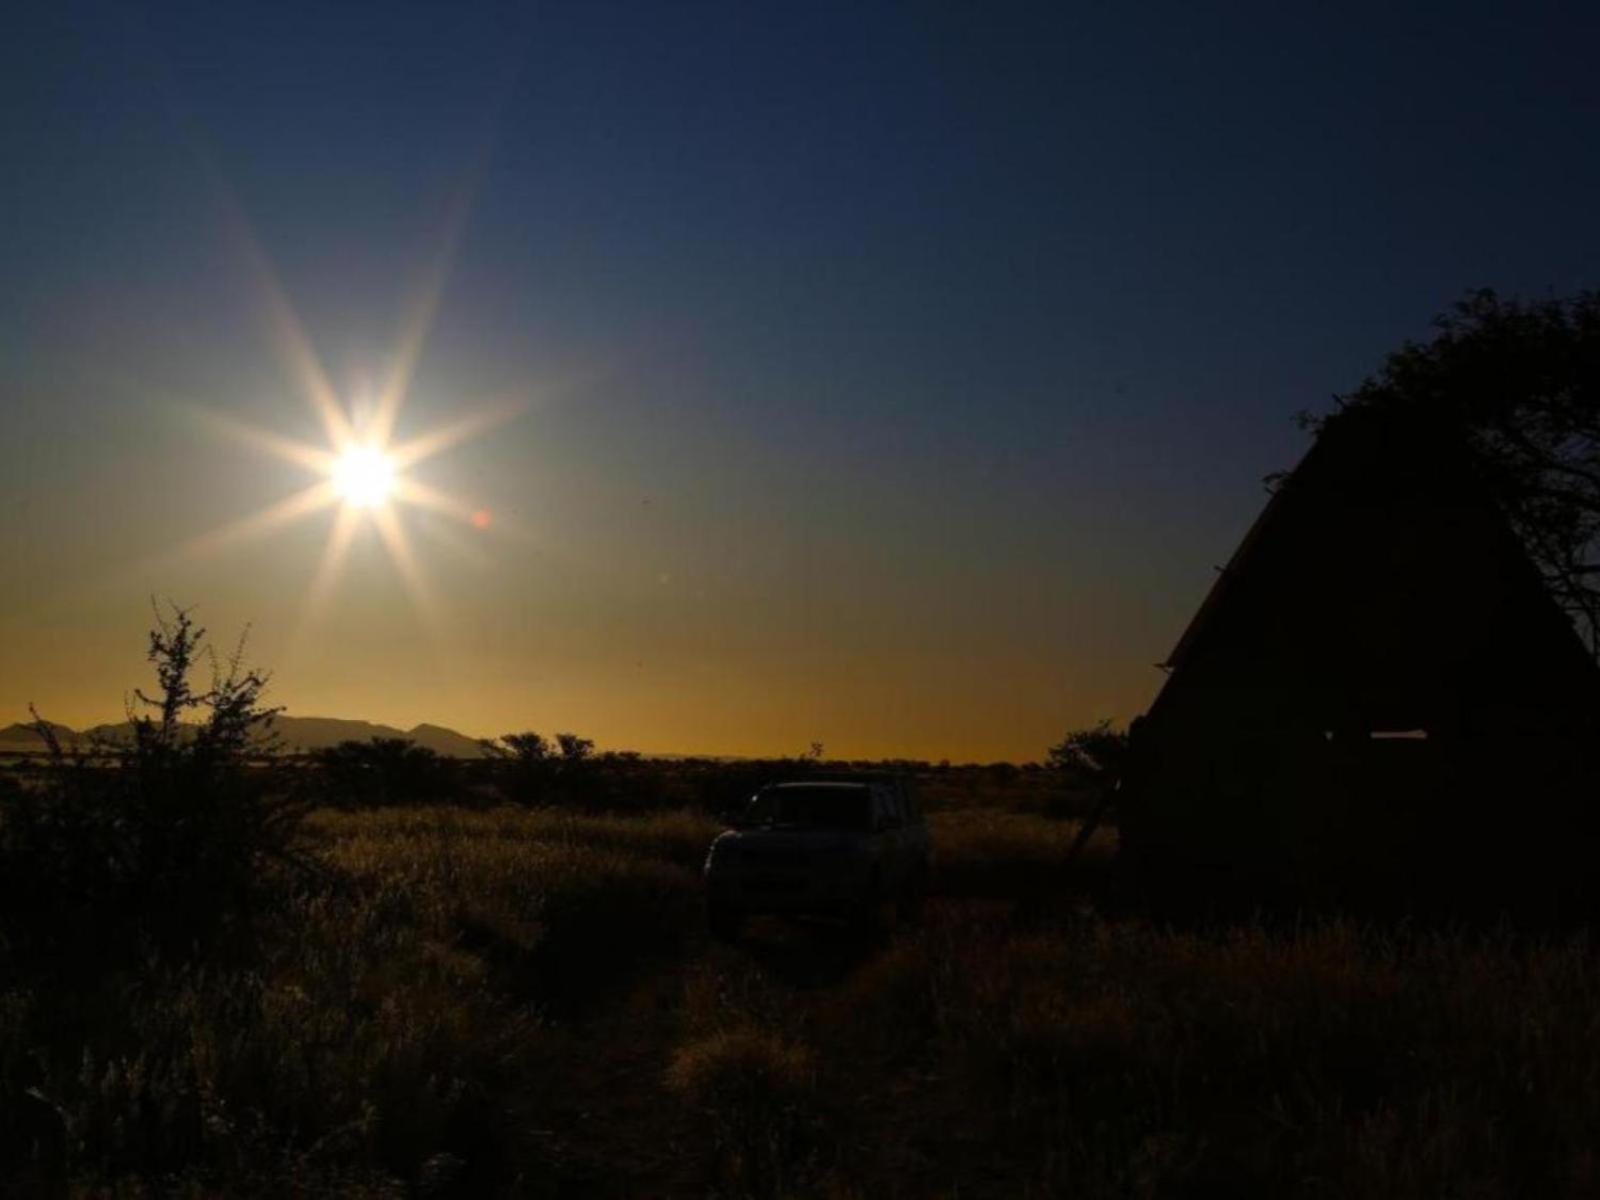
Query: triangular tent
(1377, 688)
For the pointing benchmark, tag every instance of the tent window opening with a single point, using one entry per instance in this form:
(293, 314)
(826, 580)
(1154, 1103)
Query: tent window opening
(1383, 735)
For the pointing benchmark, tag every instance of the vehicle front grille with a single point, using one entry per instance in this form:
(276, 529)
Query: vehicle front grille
(782, 859)
(785, 885)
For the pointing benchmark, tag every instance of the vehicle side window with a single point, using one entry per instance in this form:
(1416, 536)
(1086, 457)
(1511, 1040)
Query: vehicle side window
(884, 809)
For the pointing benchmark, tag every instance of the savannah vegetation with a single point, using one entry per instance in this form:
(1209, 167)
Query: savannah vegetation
(377, 972)
(383, 974)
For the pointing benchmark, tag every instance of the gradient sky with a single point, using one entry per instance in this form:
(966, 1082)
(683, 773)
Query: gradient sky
(894, 376)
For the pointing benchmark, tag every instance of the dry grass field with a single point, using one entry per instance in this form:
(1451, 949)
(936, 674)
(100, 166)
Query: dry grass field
(514, 1002)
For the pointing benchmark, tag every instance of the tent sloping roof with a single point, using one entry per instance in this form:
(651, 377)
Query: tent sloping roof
(1380, 591)
(1378, 571)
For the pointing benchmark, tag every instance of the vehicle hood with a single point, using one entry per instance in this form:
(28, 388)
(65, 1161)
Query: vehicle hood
(791, 841)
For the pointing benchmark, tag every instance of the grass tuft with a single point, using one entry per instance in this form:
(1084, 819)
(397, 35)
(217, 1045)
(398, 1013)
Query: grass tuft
(756, 1093)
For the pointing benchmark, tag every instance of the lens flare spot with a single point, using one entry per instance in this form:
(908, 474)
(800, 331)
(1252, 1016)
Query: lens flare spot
(481, 519)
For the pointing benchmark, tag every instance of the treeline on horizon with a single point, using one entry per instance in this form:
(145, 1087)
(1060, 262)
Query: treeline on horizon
(27, 742)
(565, 770)
(531, 769)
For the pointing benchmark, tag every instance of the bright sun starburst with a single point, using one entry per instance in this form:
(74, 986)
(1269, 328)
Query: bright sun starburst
(361, 469)
(364, 475)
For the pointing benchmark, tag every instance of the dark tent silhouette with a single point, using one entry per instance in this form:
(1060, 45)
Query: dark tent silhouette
(1377, 692)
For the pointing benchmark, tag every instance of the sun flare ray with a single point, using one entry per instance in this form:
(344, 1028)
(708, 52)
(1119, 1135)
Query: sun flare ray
(473, 425)
(300, 453)
(424, 307)
(329, 567)
(290, 509)
(404, 558)
(294, 345)
(421, 495)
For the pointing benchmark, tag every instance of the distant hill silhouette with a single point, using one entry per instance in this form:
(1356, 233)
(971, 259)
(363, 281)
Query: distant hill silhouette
(445, 741)
(298, 734)
(27, 737)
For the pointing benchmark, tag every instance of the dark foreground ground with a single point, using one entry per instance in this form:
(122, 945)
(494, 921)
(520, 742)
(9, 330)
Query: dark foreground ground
(520, 1002)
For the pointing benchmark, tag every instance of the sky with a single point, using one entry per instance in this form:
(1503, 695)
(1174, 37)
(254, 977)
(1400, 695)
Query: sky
(893, 377)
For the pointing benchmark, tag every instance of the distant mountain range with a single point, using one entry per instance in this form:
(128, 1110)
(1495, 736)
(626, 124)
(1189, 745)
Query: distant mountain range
(297, 734)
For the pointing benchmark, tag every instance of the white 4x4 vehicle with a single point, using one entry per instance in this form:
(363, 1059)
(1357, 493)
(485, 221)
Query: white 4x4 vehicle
(824, 847)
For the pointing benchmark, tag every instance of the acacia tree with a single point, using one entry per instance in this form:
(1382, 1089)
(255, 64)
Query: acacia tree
(382, 772)
(526, 747)
(574, 749)
(1519, 383)
(1093, 757)
(525, 763)
(155, 840)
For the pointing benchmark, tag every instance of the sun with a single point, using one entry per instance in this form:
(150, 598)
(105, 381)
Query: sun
(359, 467)
(364, 476)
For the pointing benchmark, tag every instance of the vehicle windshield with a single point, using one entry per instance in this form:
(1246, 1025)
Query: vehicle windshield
(812, 808)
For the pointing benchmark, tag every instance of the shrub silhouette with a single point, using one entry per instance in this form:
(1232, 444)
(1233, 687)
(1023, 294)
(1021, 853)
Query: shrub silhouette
(1093, 757)
(573, 748)
(155, 840)
(535, 770)
(526, 748)
(525, 765)
(383, 772)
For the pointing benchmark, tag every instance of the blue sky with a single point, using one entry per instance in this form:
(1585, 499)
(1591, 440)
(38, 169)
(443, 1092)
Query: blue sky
(895, 375)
